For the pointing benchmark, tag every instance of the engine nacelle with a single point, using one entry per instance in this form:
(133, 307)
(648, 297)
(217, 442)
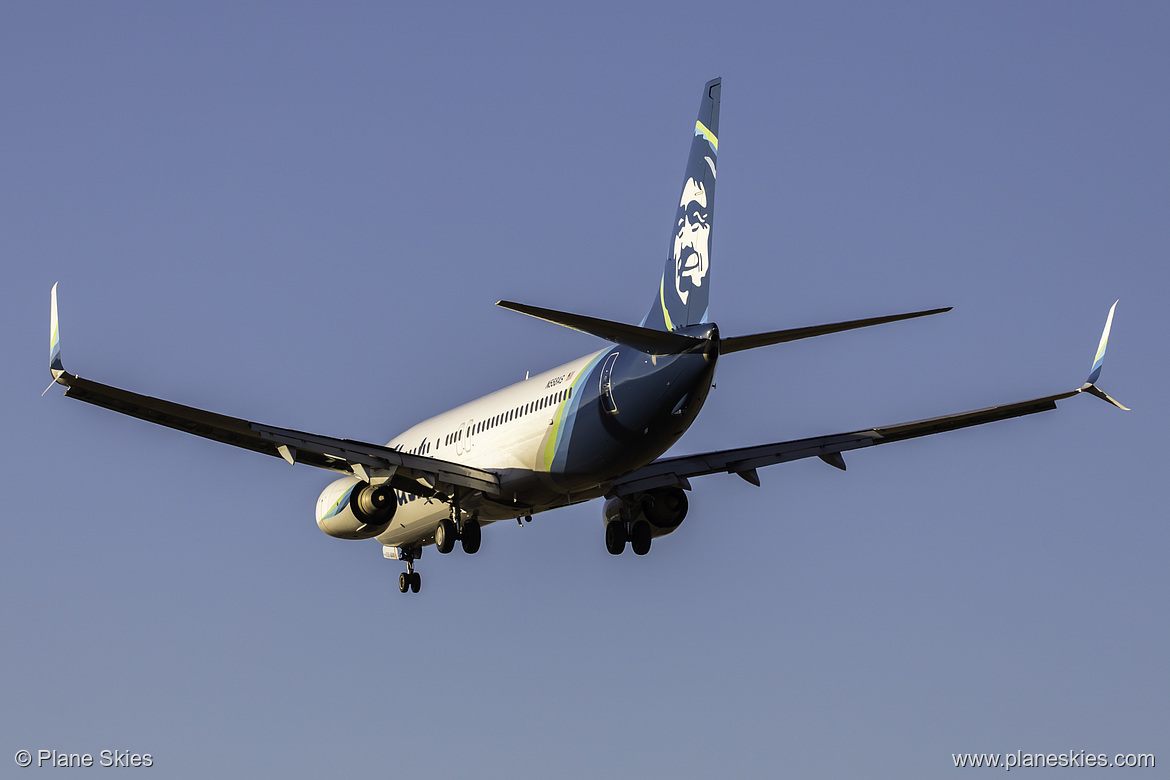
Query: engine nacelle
(664, 508)
(352, 509)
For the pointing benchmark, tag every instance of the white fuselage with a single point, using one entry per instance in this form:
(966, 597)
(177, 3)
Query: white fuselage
(510, 431)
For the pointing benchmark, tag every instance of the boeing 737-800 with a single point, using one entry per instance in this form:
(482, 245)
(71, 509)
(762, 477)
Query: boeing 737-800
(594, 427)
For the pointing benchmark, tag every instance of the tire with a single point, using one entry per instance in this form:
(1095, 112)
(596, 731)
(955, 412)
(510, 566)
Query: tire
(445, 535)
(415, 582)
(403, 582)
(615, 537)
(471, 537)
(640, 536)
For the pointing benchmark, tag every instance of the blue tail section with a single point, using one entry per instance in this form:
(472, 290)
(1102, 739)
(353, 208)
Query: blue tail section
(683, 292)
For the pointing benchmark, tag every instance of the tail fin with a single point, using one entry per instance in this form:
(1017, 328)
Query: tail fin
(682, 294)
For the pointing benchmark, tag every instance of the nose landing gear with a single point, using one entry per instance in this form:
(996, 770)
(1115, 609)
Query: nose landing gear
(409, 580)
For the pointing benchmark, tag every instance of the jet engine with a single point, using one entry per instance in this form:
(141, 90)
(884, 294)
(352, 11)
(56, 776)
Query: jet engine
(352, 509)
(665, 508)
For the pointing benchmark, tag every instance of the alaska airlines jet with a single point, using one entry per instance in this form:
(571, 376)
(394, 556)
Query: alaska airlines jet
(594, 427)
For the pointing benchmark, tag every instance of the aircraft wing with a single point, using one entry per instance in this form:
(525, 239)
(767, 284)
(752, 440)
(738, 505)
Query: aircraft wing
(745, 460)
(411, 473)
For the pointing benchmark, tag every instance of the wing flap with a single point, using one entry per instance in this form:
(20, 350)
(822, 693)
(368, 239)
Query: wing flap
(741, 460)
(747, 459)
(952, 422)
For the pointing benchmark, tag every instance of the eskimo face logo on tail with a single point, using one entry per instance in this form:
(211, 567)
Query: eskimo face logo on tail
(684, 288)
(692, 239)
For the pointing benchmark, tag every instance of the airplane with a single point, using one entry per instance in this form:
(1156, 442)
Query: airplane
(595, 427)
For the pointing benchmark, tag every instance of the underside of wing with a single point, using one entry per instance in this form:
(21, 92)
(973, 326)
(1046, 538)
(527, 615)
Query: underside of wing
(411, 473)
(745, 460)
(416, 474)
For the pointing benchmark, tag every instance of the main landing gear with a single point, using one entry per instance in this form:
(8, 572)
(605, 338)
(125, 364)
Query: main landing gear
(638, 533)
(470, 535)
(466, 531)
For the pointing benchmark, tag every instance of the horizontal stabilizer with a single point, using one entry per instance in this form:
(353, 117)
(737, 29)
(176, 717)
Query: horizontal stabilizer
(740, 343)
(655, 342)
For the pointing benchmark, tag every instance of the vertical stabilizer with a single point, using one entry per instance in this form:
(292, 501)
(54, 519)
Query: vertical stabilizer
(683, 291)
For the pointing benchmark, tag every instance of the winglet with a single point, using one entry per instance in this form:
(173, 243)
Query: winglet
(55, 366)
(1098, 361)
(1100, 358)
(1094, 390)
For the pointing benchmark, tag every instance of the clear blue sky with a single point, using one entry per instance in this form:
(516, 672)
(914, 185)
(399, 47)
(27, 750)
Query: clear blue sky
(302, 215)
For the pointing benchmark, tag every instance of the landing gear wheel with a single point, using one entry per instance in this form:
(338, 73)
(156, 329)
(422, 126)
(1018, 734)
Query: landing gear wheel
(445, 536)
(471, 536)
(615, 537)
(404, 582)
(640, 537)
(415, 582)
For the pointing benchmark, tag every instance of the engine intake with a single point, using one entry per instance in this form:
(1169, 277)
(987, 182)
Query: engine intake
(352, 509)
(663, 508)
